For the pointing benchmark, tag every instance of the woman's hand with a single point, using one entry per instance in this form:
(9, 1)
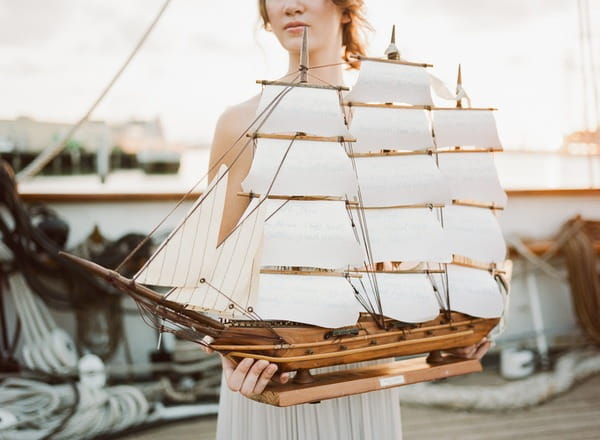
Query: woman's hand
(475, 351)
(249, 376)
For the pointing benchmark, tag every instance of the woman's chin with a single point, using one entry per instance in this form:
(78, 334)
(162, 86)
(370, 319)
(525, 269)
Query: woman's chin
(291, 42)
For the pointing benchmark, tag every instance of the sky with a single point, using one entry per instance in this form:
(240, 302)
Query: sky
(520, 56)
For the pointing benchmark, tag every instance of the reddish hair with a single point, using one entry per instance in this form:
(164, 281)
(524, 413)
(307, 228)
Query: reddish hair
(353, 32)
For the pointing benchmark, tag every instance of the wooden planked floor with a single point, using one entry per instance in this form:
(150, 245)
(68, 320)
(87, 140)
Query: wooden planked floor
(574, 415)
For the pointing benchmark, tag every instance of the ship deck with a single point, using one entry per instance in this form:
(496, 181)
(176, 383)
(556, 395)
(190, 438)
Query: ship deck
(572, 415)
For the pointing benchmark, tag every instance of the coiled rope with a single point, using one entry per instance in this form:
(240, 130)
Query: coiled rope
(33, 410)
(570, 368)
(584, 273)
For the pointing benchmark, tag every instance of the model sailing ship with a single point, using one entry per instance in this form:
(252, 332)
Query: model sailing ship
(301, 280)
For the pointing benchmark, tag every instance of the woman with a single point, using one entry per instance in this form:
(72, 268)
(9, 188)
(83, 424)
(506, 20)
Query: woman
(335, 28)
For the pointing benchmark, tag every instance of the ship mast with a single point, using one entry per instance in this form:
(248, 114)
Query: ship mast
(392, 52)
(304, 56)
(459, 87)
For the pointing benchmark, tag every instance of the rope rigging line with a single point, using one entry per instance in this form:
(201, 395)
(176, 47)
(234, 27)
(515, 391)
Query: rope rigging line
(368, 306)
(150, 313)
(440, 216)
(363, 229)
(234, 303)
(321, 66)
(48, 154)
(263, 200)
(203, 280)
(277, 210)
(318, 67)
(268, 109)
(367, 243)
(436, 290)
(322, 80)
(194, 242)
(365, 303)
(268, 192)
(252, 314)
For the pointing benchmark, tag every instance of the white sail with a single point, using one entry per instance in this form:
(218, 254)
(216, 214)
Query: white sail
(190, 248)
(474, 233)
(229, 286)
(400, 180)
(381, 81)
(326, 301)
(311, 234)
(441, 89)
(474, 292)
(377, 128)
(465, 128)
(406, 234)
(310, 168)
(314, 111)
(406, 297)
(472, 176)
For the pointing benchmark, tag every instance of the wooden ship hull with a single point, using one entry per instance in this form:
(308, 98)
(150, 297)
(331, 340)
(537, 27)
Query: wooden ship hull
(313, 347)
(295, 346)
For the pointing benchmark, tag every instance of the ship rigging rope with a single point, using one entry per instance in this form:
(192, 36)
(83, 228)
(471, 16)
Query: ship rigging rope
(49, 153)
(377, 315)
(268, 111)
(174, 318)
(440, 211)
(251, 314)
(271, 107)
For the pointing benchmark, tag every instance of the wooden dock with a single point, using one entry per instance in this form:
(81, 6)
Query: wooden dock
(574, 415)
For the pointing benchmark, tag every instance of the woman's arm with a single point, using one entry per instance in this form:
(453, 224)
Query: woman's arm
(231, 147)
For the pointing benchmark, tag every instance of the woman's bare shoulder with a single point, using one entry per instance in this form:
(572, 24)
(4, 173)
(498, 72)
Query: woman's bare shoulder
(230, 131)
(238, 118)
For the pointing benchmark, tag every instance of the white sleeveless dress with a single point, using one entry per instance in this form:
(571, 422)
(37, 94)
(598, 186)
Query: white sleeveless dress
(368, 416)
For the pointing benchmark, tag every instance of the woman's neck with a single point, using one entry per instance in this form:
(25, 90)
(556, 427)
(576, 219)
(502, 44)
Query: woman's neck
(332, 74)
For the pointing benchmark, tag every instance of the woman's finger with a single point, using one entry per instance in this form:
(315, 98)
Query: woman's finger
(235, 376)
(281, 378)
(227, 365)
(252, 376)
(265, 378)
(475, 351)
(482, 350)
(464, 352)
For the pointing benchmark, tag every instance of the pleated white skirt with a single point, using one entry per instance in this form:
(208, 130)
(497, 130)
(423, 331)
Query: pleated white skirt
(368, 416)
